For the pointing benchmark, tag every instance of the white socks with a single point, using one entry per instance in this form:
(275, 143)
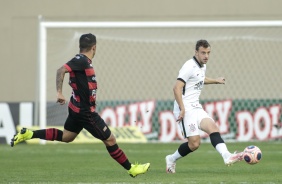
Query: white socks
(175, 156)
(222, 149)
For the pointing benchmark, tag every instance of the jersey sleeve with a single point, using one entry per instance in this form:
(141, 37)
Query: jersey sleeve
(185, 72)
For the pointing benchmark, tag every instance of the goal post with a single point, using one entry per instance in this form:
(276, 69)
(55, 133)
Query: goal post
(45, 26)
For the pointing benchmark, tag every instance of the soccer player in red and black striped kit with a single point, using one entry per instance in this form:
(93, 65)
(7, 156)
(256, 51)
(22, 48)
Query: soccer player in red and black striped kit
(81, 107)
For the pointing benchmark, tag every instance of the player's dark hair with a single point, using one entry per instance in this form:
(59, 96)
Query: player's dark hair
(202, 43)
(86, 42)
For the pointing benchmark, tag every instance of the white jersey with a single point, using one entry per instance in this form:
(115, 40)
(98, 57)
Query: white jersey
(193, 75)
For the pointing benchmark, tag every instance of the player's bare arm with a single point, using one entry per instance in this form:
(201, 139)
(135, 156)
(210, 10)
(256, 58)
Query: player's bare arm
(219, 80)
(177, 90)
(59, 84)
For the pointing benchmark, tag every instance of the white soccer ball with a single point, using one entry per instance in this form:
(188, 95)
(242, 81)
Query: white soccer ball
(252, 154)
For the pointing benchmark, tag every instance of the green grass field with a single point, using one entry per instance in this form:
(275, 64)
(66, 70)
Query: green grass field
(91, 163)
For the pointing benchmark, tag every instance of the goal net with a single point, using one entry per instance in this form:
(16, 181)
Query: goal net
(139, 61)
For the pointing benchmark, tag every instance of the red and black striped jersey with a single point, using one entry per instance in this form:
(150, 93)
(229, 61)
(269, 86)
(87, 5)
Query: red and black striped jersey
(82, 80)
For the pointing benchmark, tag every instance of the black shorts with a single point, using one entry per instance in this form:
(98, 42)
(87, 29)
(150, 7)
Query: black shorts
(91, 121)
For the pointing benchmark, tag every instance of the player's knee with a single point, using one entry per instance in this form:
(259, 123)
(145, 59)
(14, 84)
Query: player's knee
(194, 145)
(214, 128)
(110, 141)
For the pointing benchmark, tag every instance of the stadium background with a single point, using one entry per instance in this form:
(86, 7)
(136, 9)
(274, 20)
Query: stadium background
(249, 58)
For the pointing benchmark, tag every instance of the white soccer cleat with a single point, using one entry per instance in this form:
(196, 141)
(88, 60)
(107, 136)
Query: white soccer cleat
(170, 165)
(233, 158)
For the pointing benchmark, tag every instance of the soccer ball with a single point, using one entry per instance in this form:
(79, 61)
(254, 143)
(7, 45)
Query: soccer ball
(252, 154)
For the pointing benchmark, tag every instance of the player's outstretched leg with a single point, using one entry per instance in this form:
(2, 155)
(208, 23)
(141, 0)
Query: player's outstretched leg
(170, 165)
(137, 169)
(24, 134)
(233, 158)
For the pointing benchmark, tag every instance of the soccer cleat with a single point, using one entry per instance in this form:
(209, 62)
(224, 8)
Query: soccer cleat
(137, 169)
(24, 134)
(233, 158)
(170, 165)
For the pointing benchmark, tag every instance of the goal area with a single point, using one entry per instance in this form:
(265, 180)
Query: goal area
(139, 61)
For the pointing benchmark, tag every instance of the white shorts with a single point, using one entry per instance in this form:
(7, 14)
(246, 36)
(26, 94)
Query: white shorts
(190, 125)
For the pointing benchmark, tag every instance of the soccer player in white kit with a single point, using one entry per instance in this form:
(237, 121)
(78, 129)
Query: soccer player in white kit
(189, 112)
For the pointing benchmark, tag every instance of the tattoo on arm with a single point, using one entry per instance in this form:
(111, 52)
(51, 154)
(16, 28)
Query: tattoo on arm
(60, 78)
